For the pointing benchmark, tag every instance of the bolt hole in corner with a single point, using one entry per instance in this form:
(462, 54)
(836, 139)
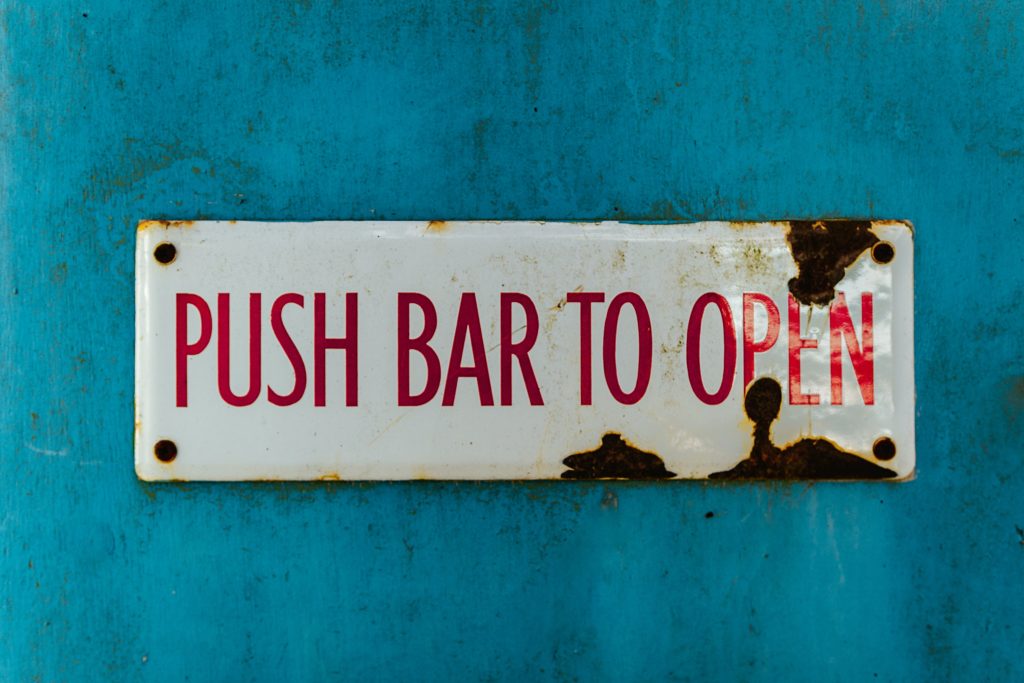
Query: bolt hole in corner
(883, 252)
(884, 448)
(165, 252)
(165, 450)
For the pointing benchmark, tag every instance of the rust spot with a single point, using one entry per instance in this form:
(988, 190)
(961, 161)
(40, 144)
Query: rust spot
(330, 476)
(803, 459)
(615, 459)
(823, 250)
(437, 226)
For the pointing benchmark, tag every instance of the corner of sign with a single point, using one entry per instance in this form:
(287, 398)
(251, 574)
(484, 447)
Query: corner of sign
(906, 478)
(142, 474)
(908, 225)
(146, 469)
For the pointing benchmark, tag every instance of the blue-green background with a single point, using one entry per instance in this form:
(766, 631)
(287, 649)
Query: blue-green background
(112, 112)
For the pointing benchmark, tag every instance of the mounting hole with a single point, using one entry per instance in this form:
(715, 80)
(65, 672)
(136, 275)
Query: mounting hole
(165, 450)
(884, 449)
(883, 252)
(165, 252)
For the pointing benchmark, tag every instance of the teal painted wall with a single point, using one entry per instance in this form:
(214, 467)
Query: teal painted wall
(113, 112)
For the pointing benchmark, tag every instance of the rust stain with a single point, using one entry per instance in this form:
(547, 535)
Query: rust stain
(330, 476)
(615, 459)
(756, 259)
(164, 225)
(740, 226)
(437, 226)
(619, 262)
(823, 250)
(814, 458)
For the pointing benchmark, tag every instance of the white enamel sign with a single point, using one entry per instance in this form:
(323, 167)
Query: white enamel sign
(515, 350)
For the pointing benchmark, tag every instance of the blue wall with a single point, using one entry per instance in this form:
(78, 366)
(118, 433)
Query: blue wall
(111, 112)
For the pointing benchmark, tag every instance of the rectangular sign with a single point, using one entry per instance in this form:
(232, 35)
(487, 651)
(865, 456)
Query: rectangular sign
(524, 350)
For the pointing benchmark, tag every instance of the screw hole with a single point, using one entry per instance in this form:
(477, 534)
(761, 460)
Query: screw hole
(165, 252)
(884, 449)
(883, 252)
(165, 450)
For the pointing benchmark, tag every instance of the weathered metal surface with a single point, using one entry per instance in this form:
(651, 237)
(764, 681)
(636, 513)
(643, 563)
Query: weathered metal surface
(494, 350)
(641, 111)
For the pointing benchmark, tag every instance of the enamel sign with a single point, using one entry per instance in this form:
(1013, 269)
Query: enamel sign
(524, 350)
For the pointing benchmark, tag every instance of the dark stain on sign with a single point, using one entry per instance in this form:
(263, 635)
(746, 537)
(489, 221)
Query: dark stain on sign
(804, 459)
(615, 459)
(823, 250)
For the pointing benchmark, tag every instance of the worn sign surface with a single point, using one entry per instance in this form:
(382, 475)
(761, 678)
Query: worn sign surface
(505, 350)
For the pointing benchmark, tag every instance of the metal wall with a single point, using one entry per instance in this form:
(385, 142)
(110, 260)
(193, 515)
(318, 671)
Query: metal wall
(112, 112)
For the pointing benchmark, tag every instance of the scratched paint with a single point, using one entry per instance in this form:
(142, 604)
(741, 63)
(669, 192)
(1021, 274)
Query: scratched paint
(113, 112)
